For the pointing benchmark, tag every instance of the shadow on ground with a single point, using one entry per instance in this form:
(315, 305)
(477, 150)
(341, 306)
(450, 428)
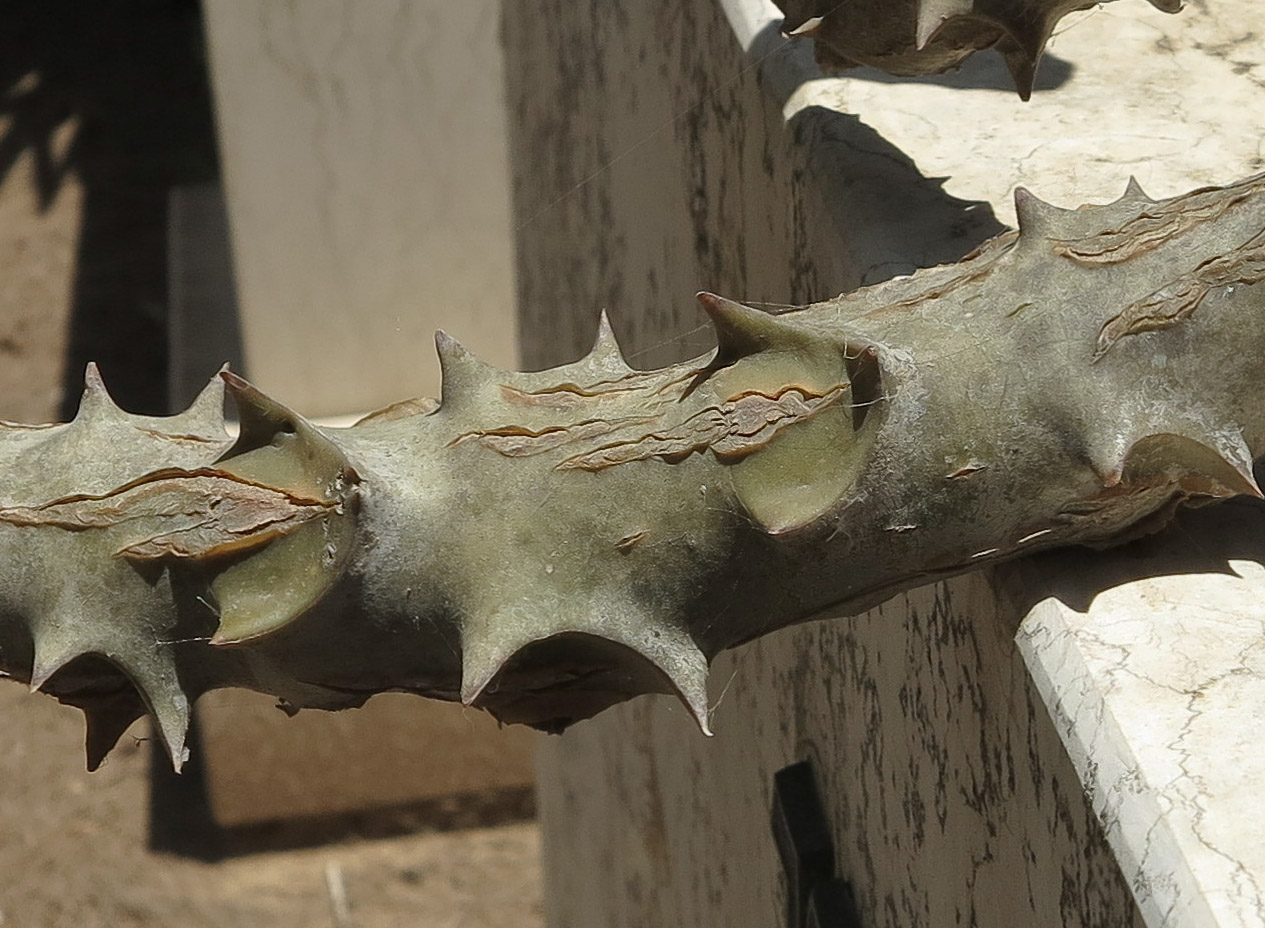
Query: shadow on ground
(114, 93)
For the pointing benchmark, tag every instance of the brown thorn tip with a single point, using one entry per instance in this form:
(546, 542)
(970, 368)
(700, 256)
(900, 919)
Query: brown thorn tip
(452, 352)
(806, 28)
(711, 302)
(234, 382)
(742, 330)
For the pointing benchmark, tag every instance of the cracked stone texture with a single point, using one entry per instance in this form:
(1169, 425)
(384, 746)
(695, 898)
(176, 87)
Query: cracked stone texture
(658, 149)
(1157, 685)
(1124, 89)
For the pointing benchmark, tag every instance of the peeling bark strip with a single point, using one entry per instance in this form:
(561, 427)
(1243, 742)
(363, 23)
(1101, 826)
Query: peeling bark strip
(567, 395)
(517, 442)
(204, 513)
(1176, 301)
(1152, 228)
(731, 431)
(493, 548)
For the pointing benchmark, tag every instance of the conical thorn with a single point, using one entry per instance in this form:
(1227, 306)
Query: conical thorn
(159, 688)
(1022, 66)
(259, 415)
(1037, 219)
(207, 408)
(172, 723)
(742, 331)
(1133, 193)
(462, 374)
(674, 654)
(606, 346)
(96, 399)
(689, 679)
(262, 419)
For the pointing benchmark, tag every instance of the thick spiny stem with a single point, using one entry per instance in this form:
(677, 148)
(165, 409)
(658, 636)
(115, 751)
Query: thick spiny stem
(546, 544)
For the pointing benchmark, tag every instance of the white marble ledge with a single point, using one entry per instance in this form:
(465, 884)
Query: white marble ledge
(1177, 100)
(1153, 668)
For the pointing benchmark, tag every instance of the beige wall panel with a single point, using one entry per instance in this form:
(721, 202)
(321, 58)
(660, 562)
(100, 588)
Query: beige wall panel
(363, 152)
(365, 170)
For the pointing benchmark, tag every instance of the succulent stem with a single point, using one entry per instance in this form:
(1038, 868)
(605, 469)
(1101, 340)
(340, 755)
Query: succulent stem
(544, 545)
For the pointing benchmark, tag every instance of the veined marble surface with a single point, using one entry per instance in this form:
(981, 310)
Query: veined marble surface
(1157, 687)
(1176, 100)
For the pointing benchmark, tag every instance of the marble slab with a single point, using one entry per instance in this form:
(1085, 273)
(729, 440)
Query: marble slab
(1153, 666)
(1175, 100)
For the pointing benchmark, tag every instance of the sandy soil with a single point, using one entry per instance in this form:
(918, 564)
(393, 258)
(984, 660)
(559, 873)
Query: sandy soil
(73, 853)
(102, 109)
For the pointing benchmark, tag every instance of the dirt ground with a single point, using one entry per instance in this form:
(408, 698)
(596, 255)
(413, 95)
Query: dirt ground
(103, 107)
(74, 853)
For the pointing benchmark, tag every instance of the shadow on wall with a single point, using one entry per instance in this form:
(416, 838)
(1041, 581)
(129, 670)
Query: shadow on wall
(858, 208)
(115, 94)
(1202, 540)
(865, 198)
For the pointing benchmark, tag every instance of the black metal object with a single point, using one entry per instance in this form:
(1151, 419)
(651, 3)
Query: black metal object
(832, 905)
(815, 897)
